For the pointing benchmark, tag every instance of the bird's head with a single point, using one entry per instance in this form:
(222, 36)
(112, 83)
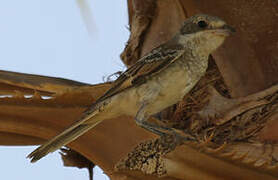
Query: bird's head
(204, 32)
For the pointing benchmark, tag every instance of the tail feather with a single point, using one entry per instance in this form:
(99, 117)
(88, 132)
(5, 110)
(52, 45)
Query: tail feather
(62, 139)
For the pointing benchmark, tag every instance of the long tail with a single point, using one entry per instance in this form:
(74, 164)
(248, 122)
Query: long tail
(66, 136)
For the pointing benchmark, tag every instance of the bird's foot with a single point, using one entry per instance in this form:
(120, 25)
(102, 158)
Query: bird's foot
(164, 131)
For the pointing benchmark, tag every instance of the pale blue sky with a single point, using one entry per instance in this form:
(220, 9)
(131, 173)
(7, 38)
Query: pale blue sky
(49, 37)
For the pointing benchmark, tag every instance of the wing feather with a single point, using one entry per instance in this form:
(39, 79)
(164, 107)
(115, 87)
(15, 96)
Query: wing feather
(148, 65)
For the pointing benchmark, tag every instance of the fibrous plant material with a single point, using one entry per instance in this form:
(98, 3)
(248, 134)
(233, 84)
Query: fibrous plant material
(147, 156)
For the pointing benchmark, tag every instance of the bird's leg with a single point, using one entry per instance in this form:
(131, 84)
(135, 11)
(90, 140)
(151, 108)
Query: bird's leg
(142, 117)
(141, 120)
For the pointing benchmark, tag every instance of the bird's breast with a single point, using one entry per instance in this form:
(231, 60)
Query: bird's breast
(173, 83)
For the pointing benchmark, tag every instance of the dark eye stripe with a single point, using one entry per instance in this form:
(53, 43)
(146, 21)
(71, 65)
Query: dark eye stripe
(202, 24)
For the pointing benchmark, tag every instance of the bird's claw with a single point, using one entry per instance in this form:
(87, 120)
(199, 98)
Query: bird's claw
(166, 131)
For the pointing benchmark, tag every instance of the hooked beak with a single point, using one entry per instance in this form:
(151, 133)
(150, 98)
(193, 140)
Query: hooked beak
(225, 30)
(229, 28)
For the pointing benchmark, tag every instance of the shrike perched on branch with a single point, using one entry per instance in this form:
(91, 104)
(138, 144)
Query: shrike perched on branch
(156, 81)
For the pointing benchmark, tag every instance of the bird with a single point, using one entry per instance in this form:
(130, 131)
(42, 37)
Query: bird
(159, 79)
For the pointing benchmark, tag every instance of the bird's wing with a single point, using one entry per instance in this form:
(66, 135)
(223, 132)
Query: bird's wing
(152, 63)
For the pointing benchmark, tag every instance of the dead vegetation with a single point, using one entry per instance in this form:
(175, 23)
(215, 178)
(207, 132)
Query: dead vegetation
(231, 114)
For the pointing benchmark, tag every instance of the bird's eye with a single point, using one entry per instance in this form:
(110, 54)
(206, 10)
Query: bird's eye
(202, 24)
